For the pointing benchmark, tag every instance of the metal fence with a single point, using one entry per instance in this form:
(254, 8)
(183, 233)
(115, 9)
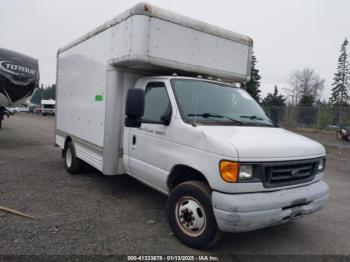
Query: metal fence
(320, 117)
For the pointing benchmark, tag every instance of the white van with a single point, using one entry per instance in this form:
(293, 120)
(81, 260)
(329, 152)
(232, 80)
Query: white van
(205, 143)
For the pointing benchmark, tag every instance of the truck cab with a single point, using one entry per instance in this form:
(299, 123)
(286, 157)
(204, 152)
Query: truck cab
(215, 134)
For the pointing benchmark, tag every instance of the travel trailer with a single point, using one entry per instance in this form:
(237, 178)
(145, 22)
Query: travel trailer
(19, 76)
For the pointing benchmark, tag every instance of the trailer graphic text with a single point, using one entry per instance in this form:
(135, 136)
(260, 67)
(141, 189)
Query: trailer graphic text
(12, 68)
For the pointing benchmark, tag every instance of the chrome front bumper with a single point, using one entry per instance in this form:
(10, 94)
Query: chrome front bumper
(250, 211)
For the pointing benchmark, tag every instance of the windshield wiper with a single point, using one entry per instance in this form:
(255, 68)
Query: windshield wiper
(207, 115)
(253, 117)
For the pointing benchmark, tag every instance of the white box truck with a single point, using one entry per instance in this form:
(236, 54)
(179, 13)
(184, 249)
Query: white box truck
(48, 107)
(201, 140)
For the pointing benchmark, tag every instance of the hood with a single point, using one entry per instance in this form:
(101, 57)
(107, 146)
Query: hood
(266, 144)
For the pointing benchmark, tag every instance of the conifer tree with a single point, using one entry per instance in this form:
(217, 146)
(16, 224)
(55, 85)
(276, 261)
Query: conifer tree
(253, 85)
(341, 85)
(274, 99)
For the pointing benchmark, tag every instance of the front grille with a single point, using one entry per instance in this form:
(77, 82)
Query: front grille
(289, 173)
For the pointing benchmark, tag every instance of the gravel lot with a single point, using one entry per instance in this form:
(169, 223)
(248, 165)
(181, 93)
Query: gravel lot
(95, 214)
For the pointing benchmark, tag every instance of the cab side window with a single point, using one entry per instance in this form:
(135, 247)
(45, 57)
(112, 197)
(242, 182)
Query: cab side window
(157, 103)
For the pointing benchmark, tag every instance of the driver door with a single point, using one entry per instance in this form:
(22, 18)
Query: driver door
(149, 144)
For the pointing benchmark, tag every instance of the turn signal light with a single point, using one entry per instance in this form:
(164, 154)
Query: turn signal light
(229, 171)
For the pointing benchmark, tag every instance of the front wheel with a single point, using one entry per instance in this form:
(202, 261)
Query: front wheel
(72, 163)
(190, 215)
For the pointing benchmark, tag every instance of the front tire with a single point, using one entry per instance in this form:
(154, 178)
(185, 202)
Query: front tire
(190, 215)
(72, 163)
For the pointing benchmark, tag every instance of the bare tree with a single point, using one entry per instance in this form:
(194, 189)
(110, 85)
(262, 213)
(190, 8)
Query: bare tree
(305, 83)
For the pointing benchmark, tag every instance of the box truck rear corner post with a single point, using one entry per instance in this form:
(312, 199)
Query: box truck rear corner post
(154, 95)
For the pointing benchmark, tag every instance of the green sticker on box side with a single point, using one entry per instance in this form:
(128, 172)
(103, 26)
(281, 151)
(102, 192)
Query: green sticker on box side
(98, 98)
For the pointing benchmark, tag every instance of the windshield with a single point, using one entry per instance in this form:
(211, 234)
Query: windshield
(49, 106)
(204, 102)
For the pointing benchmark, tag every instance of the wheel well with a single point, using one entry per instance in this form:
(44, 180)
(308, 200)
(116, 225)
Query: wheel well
(68, 139)
(183, 173)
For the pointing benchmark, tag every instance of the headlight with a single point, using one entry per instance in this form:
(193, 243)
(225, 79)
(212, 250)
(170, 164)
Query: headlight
(233, 172)
(245, 172)
(321, 164)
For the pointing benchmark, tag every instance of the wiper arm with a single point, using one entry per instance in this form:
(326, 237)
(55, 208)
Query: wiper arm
(253, 117)
(207, 115)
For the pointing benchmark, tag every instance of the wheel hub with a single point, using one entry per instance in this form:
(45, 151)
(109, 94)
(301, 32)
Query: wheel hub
(69, 157)
(190, 216)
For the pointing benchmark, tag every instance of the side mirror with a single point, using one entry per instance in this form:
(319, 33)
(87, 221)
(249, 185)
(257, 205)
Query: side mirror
(135, 106)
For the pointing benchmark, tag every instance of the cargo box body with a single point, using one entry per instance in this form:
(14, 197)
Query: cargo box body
(95, 72)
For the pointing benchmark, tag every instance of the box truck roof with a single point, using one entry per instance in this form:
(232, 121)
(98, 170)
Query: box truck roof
(154, 11)
(152, 39)
(48, 102)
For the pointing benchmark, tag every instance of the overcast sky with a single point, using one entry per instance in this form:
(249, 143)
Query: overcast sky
(288, 34)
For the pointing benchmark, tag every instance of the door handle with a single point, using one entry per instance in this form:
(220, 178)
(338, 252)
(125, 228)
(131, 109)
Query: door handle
(133, 140)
